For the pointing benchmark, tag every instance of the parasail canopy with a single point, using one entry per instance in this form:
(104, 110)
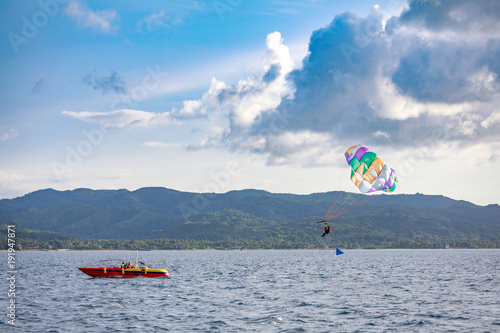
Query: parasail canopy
(368, 171)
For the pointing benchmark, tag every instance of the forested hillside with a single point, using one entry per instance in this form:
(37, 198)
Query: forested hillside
(253, 217)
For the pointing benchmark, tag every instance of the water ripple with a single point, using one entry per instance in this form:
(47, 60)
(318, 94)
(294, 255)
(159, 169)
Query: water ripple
(263, 291)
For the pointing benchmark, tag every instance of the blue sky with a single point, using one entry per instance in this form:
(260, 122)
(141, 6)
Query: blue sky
(212, 96)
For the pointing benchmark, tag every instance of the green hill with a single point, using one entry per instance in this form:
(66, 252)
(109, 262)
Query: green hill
(253, 216)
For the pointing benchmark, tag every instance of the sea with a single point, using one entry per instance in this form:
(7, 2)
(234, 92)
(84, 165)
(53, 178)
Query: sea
(257, 291)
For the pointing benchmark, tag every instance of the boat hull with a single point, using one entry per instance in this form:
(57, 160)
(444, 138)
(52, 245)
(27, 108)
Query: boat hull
(116, 272)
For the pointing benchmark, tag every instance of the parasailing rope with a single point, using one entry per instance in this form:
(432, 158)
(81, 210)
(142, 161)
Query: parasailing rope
(344, 200)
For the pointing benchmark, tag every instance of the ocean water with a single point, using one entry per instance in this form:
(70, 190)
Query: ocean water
(260, 291)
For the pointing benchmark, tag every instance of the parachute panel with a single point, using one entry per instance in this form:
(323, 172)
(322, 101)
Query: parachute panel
(377, 165)
(368, 158)
(368, 171)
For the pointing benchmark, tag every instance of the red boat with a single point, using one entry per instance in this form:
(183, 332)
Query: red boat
(126, 271)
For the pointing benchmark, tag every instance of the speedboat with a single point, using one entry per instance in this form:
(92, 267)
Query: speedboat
(125, 271)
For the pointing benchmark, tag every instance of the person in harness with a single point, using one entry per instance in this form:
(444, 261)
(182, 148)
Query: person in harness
(327, 231)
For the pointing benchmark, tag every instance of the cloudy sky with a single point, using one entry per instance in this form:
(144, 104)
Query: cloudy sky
(212, 96)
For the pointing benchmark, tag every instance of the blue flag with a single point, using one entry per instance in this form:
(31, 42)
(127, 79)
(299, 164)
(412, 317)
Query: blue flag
(338, 252)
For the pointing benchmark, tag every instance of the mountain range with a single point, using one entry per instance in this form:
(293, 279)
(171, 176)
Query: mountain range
(250, 215)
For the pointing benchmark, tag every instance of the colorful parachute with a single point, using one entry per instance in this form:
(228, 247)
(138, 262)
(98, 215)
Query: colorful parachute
(369, 172)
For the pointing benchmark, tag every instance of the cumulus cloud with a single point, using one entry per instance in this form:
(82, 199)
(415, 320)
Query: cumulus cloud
(426, 80)
(451, 19)
(87, 18)
(250, 101)
(391, 85)
(113, 82)
(242, 103)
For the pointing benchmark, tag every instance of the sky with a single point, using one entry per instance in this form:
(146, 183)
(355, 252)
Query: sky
(220, 95)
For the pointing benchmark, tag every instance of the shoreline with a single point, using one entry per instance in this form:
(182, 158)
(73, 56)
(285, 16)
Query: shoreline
(237, 250)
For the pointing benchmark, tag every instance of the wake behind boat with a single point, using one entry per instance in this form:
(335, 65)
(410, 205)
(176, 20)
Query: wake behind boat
(124, 270)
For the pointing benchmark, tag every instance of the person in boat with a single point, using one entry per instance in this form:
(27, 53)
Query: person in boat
(327, 231)
(129, 265)
(123, 264)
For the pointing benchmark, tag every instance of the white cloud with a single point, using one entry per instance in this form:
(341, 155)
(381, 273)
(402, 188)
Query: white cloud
(120, 118)
(86, 17)
(8, 178)
(247, 102)
(129, 118)
(304, 148)
(465, 125)
(381, 134)
(6, 136)
(372, 80)
(242, 103)
(156, 21)
(484, 83)
(494, 118)
(264, 92)
(452, 20)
